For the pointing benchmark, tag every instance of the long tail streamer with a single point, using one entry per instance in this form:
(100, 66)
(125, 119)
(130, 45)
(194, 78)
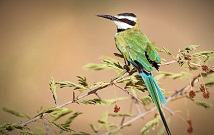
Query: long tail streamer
(156, 94)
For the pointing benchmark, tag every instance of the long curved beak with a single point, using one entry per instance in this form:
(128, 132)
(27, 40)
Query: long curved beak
(110, 17)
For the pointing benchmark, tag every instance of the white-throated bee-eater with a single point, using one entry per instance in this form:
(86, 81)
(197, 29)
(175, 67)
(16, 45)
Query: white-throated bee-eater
(139, 51)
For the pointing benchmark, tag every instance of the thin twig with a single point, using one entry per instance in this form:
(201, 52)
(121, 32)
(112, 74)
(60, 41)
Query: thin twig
(47, 128)
(121, 77)
(129, 93)
(194, 64)
(137, 106)
(167, 63)
(169, 110)
(174, 61)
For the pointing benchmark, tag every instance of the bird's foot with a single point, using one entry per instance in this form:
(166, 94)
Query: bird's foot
(126, 67)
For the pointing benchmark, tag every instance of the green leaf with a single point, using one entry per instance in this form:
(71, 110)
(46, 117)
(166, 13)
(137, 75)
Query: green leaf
(71, 118)
(22, 115)
(146, 100)
(103, 122)
(60, 113)
(192, 47)
(10, 127)
(104, 116)
(201, 103)
(64, 127)
(181, 75)
(53, 90)
(150, 125)
(113, 101)
(81, 133)
(167, 51)
(99, 101)
(106, 124)
(206, 54)
(135, 82)
(121, 74)
(96, 67)
(203, 53)
(70, 84)
(82, 81)
(92, 101)
(25, 132)
(120, 115)
(210, 82)
(99, 84)
(94, 128)
(108, 63)
(112, 63)
(49, 110)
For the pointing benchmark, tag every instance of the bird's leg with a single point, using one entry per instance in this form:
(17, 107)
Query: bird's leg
(126, 66)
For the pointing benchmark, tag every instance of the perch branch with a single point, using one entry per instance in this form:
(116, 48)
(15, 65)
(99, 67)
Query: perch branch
(93, 91)
(174, 95)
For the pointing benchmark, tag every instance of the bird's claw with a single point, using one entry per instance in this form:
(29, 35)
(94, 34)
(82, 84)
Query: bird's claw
(126, 67)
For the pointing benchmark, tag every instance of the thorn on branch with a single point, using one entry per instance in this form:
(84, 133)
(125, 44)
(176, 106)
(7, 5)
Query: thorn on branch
(97, 95)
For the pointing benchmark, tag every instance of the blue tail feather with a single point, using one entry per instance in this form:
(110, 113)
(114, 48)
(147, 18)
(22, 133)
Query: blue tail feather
(160, 94)
(156, 94)
(153, 84)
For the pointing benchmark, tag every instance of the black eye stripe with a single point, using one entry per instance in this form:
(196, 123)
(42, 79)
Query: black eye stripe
(125, 20)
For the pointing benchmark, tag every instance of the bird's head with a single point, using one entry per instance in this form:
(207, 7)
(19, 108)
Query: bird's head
(123, 21)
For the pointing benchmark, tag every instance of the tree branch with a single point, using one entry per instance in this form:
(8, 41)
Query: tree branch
(129, 93)
(174, 95)
(114, 82)
(167, 63)
(93, 91)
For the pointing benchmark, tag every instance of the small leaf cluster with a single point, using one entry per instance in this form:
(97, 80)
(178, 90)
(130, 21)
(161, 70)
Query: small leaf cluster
(107, 63)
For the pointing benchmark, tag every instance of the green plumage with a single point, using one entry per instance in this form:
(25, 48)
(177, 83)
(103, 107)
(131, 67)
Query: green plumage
(139, 51)
(133, 44)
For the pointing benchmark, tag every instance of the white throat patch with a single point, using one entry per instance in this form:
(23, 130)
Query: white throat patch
(122, 25)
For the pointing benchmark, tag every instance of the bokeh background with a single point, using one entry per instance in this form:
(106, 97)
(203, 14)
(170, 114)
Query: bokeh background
(44, 39)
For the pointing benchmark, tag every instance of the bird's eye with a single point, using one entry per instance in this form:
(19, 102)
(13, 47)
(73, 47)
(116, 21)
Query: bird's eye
(125, 20)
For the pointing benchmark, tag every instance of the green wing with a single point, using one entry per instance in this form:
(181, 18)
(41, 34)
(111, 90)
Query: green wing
(134, 45)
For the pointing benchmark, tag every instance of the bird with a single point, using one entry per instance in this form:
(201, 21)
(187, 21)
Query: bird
(140, 52)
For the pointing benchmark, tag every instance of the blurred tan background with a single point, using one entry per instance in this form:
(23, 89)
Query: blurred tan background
(43, 39)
